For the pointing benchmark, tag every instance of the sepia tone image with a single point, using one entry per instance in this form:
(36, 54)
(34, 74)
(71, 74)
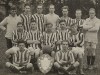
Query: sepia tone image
(49, 37)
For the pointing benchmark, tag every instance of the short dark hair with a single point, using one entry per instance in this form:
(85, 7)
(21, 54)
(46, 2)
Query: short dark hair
(39, 5)
(92, 9)
(21, 41)
(32, 20)
(75, 24)
(13, 7)
(65, 7)
(49, 24)
(19, 23)
(27, 5)
(62, 21)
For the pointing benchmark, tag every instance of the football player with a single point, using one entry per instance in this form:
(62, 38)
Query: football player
(77, 44)
(65, 59)
(91, 26)
(21, 58)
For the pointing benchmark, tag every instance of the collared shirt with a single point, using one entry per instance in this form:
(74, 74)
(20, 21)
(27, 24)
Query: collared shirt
(39, 18)
(34, 35)
(25, 19)
(52, 18)
(17, 35)
(11, 23)
(19, 58)
(69, 21)
(65, 56)
(49, 38)
(92, 27)
(79, 22)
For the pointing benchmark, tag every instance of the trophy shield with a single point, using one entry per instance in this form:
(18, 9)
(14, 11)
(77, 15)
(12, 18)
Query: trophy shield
(45, 63)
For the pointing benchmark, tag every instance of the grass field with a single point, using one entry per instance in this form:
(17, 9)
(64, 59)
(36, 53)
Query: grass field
(4, 71)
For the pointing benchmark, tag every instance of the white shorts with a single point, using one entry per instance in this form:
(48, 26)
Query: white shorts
(78, 50)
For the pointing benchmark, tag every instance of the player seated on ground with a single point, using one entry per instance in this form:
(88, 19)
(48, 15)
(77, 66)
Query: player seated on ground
(49, 37)
(19, 33)
(64, 59)
(21, 58)
(77, 44)
(34, 41)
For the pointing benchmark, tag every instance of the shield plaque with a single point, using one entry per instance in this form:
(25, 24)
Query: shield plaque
(45, 63)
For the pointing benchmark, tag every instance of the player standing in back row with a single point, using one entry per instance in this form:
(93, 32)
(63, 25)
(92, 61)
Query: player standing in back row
(39, 18)
(26, 17)
(91, 25)
(52, 17)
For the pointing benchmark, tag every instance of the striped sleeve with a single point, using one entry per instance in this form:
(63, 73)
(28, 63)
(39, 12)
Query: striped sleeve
(40, 21)
(25, 21)
(26, 34)
(81, 43)
(14, 37)
(28, 57)
(57, 56)
(71, 57)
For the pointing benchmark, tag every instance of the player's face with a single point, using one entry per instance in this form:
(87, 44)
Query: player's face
(33, 26)
(78, 14)
(49, 27)
(74, 28)
(27, 8)
(21, 46)
(65, 45)
(20, 27)
(39, 9)
(65, 12)
(52, 9)
(92, 14)
(13, 12)
(62, 25)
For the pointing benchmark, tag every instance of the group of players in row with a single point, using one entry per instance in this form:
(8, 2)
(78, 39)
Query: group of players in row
(65, 39)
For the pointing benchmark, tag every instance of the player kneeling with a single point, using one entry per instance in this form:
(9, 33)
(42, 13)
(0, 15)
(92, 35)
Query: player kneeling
(65, 60)
(21, 58)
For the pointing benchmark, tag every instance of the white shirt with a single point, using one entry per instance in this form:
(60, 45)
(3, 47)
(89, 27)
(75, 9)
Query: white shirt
(11, 23)
(91, 26)
(52, 18)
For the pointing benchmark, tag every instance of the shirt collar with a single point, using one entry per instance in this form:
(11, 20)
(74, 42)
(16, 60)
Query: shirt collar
(51, 14)
(12, 16)
(93, 18)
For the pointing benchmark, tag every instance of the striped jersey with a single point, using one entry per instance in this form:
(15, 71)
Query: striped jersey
(17, 35)
(49, 38)
(69, 21)
(26, 19)
(63, 35)
(65, 56)
(39, 20)
(79, 37)
(21, 58)
(78, 22)
(34, 35)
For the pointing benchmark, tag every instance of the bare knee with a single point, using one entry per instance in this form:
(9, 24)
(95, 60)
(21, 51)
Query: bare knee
(56, 64)
(8, 64)
(29, 65)
(76, 64)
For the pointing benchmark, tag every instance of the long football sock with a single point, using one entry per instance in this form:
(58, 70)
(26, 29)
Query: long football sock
(93, 60)
(88, 60)
(70, 68)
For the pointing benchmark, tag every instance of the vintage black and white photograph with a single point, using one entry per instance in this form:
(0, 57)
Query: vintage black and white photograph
(49, 37)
